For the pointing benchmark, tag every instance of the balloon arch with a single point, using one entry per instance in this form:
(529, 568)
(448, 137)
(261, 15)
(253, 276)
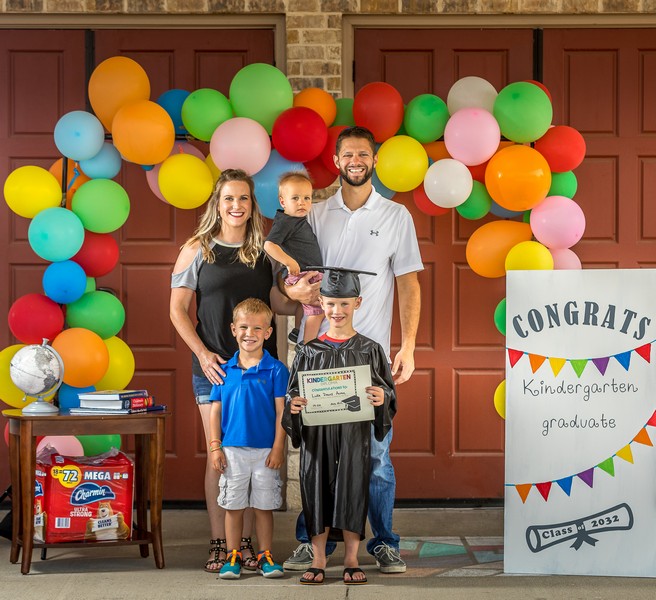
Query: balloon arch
(481, 152)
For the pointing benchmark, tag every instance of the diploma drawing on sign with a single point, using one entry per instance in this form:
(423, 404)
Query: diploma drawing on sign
(336, 395)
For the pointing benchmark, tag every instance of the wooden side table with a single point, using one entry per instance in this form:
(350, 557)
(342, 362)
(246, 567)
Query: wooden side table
(148, 431)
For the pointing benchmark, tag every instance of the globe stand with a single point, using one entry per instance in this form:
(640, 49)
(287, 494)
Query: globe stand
(40, 407)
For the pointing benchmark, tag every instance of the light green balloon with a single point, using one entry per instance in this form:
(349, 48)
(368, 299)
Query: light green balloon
(102, 205)
(425, 118)
(203, 111)
(260, 92)
(523, 111)
(101, 312)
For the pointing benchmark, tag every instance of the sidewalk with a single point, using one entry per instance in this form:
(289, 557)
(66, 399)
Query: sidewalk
(451, 554)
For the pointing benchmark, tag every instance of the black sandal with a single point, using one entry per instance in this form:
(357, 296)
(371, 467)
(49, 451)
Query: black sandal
(314, 571)
(248, 562)
(350, 571)
(216, 548)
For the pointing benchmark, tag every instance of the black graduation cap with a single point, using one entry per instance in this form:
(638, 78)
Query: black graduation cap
(338, 282)
(352, 403)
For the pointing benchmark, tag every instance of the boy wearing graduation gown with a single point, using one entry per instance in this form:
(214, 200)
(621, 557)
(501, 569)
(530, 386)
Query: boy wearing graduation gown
(335, 459)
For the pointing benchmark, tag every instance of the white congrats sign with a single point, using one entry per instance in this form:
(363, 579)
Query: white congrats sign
(580, 422)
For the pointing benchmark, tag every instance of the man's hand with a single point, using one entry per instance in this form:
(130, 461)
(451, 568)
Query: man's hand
(303, 291)
(403, 366)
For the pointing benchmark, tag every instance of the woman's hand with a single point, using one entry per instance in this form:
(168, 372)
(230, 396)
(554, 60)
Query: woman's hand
(296, 405)
(375, 394)
(211, 365)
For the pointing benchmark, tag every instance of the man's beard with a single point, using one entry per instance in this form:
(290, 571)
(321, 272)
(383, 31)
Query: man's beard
(368, 173)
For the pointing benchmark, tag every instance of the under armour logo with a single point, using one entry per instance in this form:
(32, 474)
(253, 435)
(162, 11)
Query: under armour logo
(372, 232)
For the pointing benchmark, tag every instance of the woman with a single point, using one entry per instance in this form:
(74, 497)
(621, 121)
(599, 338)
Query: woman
(221, 265)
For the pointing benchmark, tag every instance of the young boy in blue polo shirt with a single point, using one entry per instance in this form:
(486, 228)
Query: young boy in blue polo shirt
(247, 441)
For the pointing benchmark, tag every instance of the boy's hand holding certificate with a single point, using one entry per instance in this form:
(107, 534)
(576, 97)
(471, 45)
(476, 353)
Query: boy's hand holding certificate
(336, 396)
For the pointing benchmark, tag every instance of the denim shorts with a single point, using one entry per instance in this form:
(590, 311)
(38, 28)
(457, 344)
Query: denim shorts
(202, 388)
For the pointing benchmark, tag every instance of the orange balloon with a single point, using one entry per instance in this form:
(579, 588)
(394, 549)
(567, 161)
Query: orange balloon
(436, 150)
(85, 356)
(114, 83)
(518, 177)
(74, 177)
(143, 133)
(319, 101)
(489, 245)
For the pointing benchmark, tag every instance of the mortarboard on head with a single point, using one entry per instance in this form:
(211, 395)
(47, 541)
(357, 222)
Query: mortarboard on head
(338, 282)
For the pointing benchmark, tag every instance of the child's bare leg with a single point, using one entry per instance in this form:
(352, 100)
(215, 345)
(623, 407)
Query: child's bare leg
(351, 546)
(264, 529)
(234, 523)
(312, 325)
(319, 560)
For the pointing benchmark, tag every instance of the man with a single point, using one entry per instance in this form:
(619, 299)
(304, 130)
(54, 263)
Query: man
(359, 229)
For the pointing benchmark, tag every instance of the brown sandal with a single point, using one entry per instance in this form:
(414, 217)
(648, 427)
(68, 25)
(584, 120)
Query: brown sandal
(248, 562)
(216, 548)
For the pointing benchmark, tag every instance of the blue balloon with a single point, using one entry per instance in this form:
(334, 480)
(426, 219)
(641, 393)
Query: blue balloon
(266, 182)
(172, 101)
(504, 213)
(79, 135)
(67, 395)
(104, 165)
(64, 281)
(56, 234)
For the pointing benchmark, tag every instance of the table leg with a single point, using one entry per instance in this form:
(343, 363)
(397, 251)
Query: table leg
(157, 454)
(141, 475)
(27, 466)
(14, 469)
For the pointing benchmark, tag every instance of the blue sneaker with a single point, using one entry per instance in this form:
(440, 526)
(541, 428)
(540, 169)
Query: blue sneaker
(232, 567)
(266, 567)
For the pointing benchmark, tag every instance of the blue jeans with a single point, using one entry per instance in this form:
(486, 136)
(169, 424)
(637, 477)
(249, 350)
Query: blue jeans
(382, 488)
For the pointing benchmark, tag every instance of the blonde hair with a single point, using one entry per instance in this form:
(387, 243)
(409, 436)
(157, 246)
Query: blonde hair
(293, 176)
(209, 225)
(252, 306)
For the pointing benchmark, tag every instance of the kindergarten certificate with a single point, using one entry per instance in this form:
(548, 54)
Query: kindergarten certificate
(336, 396)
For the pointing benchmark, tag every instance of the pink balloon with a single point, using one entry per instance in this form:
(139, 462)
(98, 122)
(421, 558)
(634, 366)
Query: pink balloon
(67, 445)
(178, 148)
(472, 136)
(240, 143)
(558, 222)
(564, 258)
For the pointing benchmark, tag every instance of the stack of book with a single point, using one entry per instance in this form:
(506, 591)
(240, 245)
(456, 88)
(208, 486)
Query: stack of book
(116, 402)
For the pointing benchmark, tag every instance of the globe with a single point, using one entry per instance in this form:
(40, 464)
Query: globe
(38, 371)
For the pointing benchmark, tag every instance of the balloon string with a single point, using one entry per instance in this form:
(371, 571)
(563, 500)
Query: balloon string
(75, 176)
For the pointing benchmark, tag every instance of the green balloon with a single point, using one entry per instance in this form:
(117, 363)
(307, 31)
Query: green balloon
(523, 111)
(99, 444)
(261, 92)
(91, 285)
(101, 312)
(203, 111)
(344, 114)
(500, 317)
(526, 217)
(102, 205)
(563, 184)
(477, 205)
(425, 118)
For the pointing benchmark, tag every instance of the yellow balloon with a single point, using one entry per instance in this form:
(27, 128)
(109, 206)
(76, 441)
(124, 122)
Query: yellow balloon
(121, 365)
(402, 163)
(185, 181)
(529, 256)
(29, 190)
(216, 172)
(500, 399)
(9, 393)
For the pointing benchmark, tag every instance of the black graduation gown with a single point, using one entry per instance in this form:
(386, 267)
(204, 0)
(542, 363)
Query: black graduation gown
(335, 459)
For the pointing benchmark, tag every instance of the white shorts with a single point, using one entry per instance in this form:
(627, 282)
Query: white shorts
(246, 481)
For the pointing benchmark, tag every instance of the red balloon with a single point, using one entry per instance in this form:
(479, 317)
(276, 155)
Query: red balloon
(541, 86)
(321, 177)
(329, 149)
(98, 254)
(34, 317)
(378, 106)
(563, 147)
(425, 205)
(299, 134)
(478, 171)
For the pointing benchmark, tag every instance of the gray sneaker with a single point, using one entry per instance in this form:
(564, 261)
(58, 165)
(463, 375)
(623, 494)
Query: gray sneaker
(388, 559)
(301, 559)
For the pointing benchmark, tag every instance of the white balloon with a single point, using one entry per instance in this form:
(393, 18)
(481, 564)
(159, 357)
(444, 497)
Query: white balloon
(448, 183)
(471, 92)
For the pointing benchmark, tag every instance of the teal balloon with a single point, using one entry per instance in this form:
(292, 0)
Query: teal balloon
(344, 114)
(477, 205)
(425, 118)
(523, 111)
(203, 111)
(99, 444)
(56, 234)
(261, 92)
(563, 184)
(102, 205)
(500, 317)
(101, 312)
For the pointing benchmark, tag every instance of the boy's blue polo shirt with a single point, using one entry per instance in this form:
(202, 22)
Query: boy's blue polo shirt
(248, 409)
